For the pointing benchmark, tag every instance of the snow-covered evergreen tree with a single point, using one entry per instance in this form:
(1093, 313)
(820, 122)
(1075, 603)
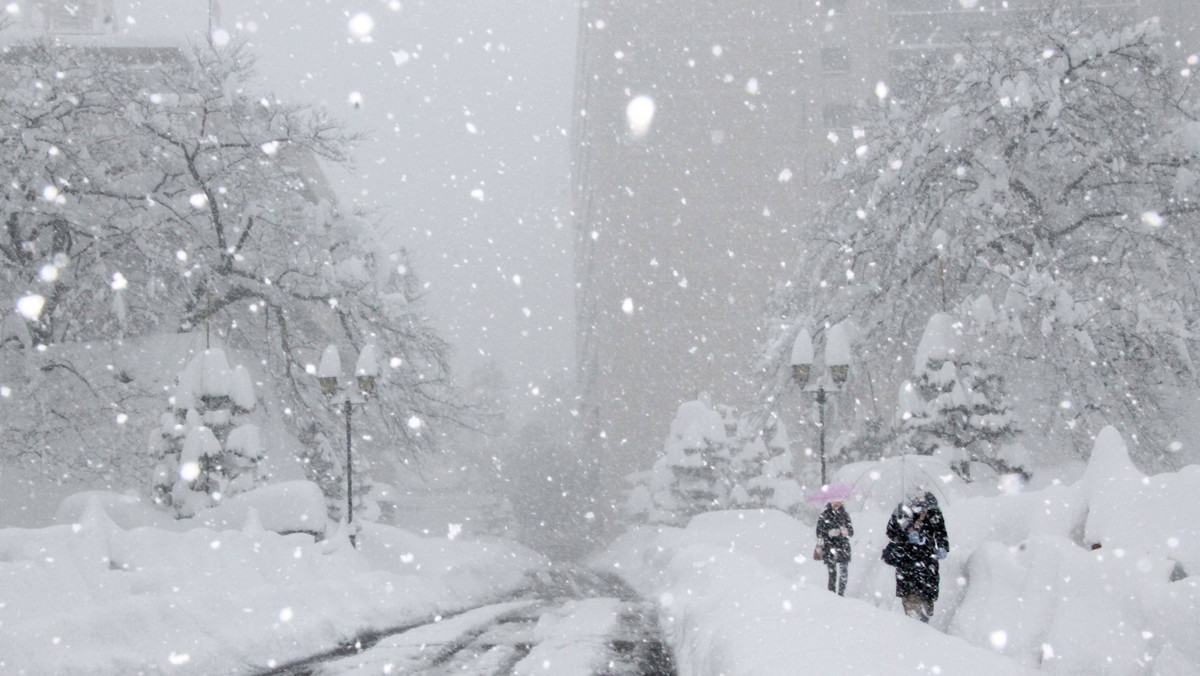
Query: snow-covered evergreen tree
(874, 438)
(206, 445)
(749, 459)
(324, 466)
(764, 470)
(930, 421)
(954, 405)
(693, 473)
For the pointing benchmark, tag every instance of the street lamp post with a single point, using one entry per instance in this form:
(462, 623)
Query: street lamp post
(329, 372)
(837, 365)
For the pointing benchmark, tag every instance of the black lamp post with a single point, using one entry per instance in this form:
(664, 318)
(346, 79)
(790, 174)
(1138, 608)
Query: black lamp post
(837, 366)
(329, 372)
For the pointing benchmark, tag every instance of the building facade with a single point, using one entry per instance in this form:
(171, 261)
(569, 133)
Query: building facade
(114, 23)
(683, 227)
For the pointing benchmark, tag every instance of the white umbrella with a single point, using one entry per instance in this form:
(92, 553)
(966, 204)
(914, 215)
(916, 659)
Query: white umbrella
(884, 484)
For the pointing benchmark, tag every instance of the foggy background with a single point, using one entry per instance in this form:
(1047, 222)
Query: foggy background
(466, 104)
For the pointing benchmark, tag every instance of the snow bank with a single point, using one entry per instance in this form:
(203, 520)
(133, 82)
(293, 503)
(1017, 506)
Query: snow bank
(93, 597)
(125, 511)
(283, 507)
(1086, 578)
(1098, 582)
(1052, 604)
(738, 597)
(1138, 515)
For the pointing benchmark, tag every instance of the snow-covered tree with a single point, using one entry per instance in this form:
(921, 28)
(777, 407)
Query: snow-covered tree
(954, 405)
(175, 198)
(1056, 168)
(746, 465)
(693, 473)
(207, 447)
(934, 401)
(764, 469)
(874, 438)
(325, 467)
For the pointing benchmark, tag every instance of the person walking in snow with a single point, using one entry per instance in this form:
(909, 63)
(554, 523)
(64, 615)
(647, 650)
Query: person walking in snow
(834, 530)
(917, 542)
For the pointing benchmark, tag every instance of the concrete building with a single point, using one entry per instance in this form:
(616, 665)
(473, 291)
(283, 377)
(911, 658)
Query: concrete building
(684, 228)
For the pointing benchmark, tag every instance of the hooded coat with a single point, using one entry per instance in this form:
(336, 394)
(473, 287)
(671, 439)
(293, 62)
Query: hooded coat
(917, 571)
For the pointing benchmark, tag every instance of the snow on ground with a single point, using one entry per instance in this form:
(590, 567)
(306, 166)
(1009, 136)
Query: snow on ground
(1088, 577)
(91, 596)
(572, 640)
(402, 653)
(1022, 589)
(738, 598)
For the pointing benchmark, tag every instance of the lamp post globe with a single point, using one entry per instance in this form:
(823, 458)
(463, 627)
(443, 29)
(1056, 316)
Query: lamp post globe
(837, 354)
(366, 370)
(329, 370)
(837, 366)
(329, 373)
(802, 358)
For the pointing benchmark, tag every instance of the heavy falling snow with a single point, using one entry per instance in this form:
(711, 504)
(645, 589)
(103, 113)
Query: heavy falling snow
(599, 337)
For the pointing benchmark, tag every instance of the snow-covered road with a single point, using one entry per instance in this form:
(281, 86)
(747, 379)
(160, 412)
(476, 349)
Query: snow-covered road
(571, 622)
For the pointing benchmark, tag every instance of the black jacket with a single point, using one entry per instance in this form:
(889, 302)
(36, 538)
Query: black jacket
(917, 572)
(834, 548)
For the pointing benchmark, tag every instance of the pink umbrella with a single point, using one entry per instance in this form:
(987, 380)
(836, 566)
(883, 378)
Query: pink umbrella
(833, 493)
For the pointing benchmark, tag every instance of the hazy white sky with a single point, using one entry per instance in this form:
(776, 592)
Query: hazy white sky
(467, 103)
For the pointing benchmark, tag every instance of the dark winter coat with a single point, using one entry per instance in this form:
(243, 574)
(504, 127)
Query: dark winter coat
(834, 548)
(917, 571)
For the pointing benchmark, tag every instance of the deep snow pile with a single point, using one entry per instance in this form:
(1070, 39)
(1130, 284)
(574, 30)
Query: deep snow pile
(115, 594)
(737, 598)
(1023, 587)
(1090, 577)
